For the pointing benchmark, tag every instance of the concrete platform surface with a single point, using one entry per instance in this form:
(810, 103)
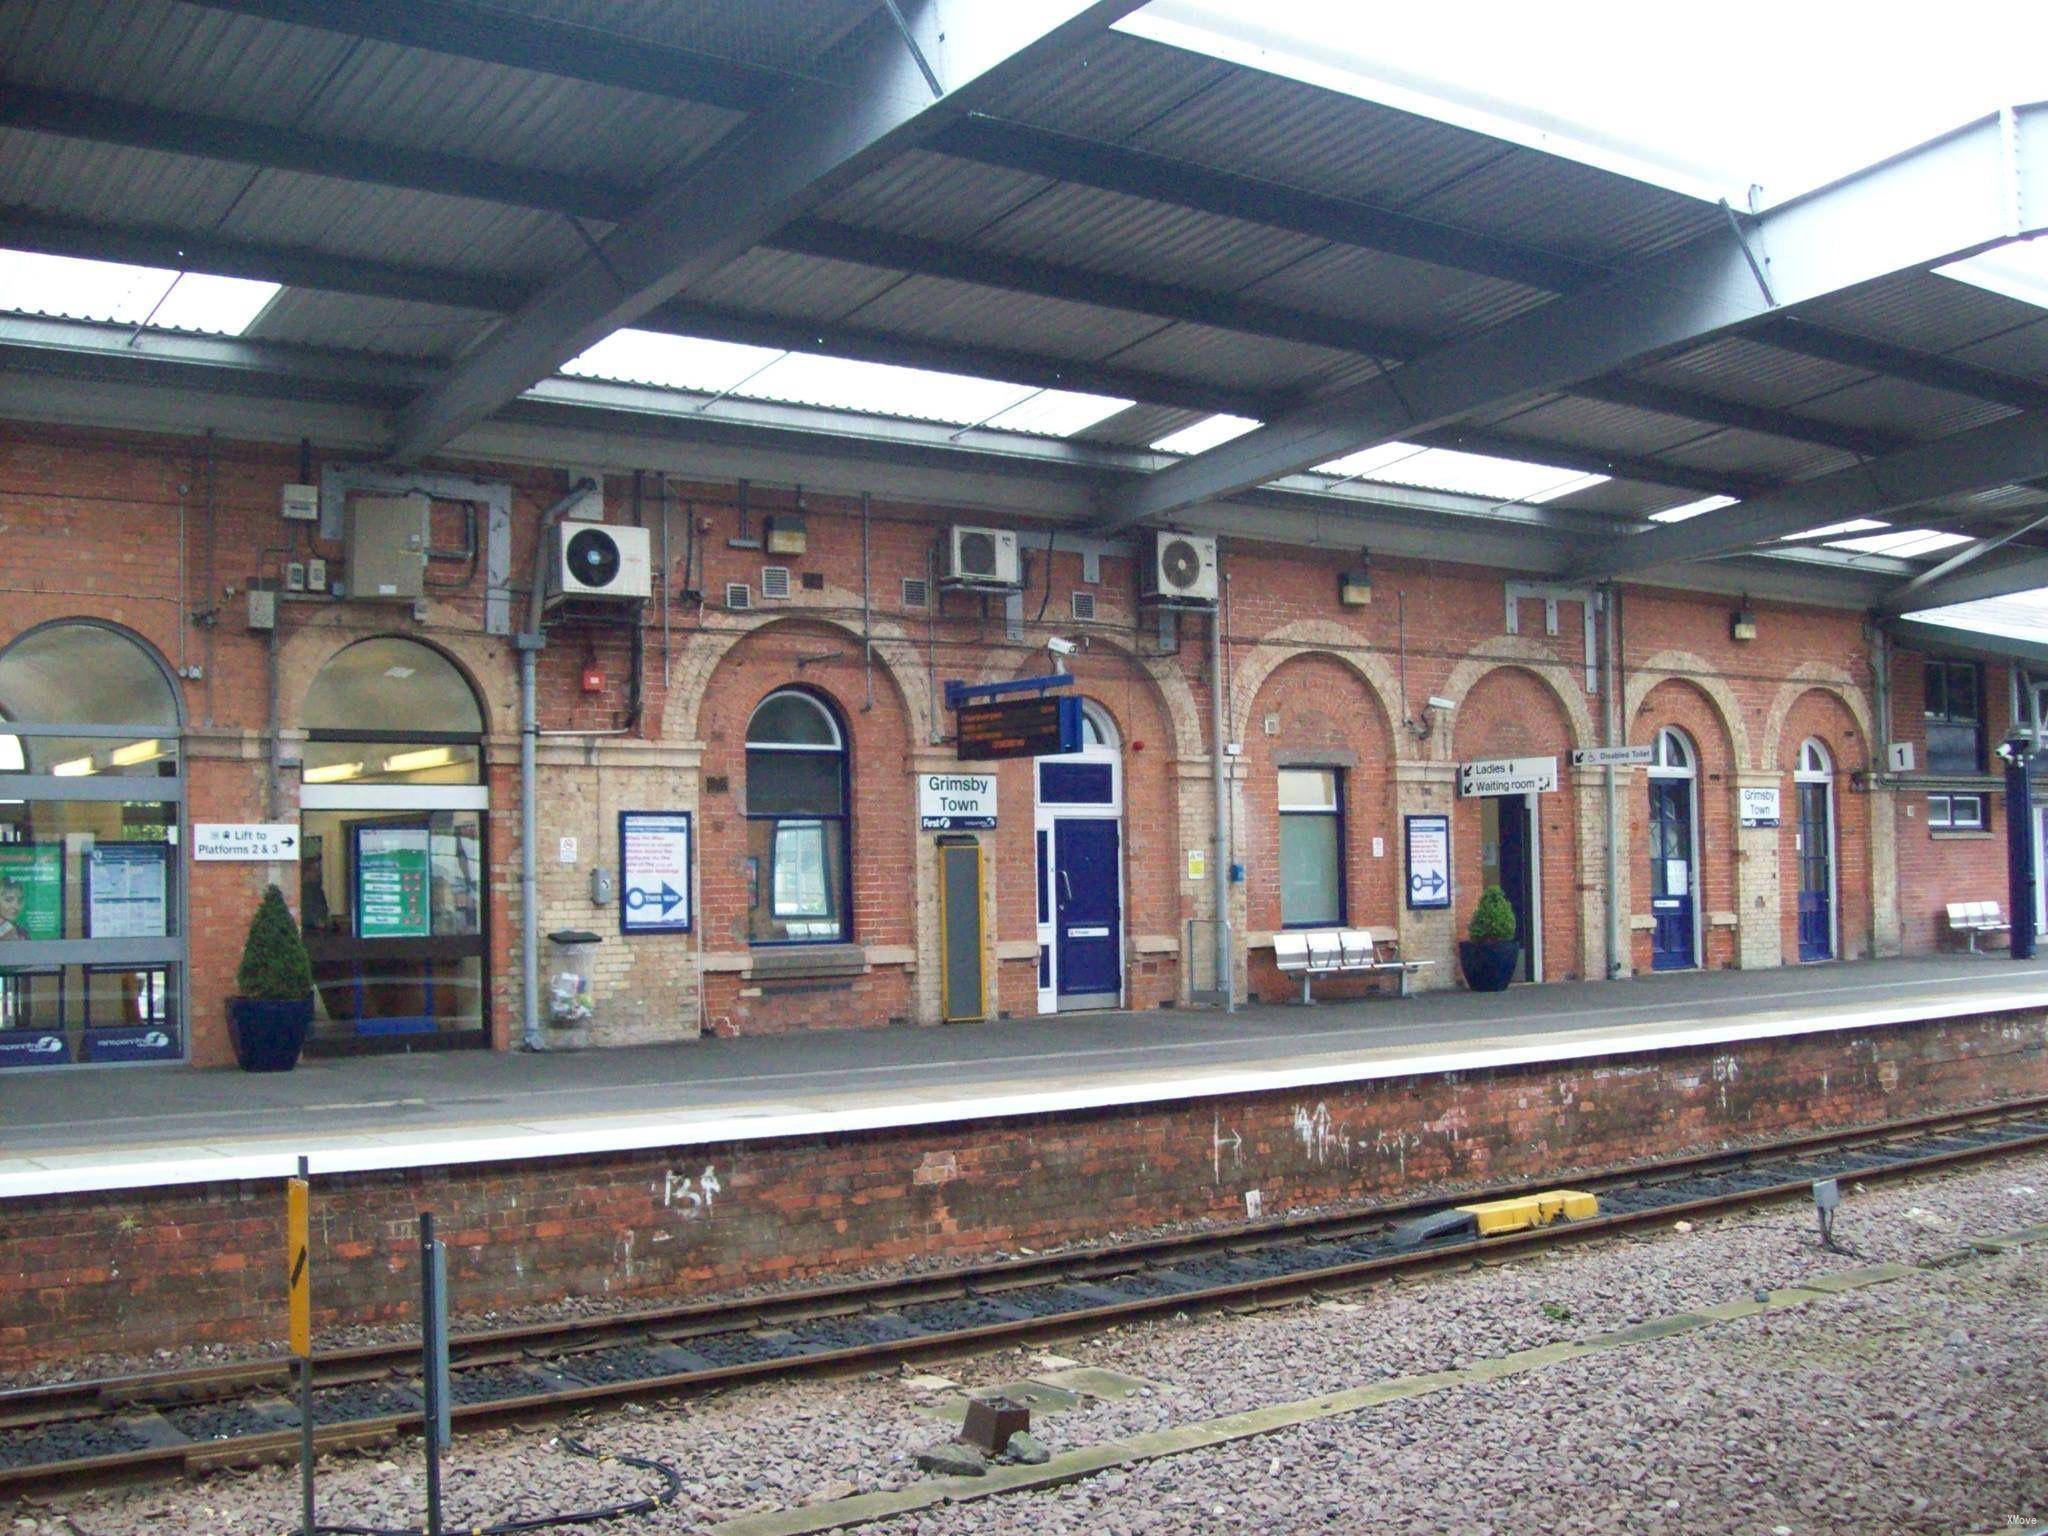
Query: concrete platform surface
(63, 1132)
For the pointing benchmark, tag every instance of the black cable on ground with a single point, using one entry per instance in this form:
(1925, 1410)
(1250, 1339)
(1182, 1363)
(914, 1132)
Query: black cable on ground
(672, 1484)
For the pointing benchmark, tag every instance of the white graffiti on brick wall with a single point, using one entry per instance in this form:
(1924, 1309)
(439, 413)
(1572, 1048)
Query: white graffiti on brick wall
(1321, 1137)
(1725, 1071)
(1396, 1144)
(692, 1195)
(1218, 1141)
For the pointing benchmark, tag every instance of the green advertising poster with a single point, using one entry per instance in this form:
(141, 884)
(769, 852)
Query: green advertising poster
(31, 891)
(391, 882)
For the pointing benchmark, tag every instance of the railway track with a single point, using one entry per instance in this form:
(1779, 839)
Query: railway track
(157, 1424)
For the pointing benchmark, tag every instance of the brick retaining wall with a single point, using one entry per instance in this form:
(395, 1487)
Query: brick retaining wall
(157, 1268)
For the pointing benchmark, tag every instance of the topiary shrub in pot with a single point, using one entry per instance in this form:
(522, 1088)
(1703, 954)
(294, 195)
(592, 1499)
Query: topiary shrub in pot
(1490, 953)
(273, 1006)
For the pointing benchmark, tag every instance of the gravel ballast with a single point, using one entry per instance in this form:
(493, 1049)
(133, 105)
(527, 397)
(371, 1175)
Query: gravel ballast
(1948, 1388)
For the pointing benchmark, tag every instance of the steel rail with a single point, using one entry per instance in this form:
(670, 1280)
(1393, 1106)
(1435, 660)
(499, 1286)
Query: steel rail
(30, 1407)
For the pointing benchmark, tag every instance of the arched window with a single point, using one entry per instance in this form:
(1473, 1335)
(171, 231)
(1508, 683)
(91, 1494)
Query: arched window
(1673, 755)
(797, 867)
(1097, 729)
(1814, 763)
(90, 804)
(393, 884)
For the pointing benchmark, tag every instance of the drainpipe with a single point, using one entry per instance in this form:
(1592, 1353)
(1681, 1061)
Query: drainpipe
(1610, 655)
(1219, 872)
(529, 643)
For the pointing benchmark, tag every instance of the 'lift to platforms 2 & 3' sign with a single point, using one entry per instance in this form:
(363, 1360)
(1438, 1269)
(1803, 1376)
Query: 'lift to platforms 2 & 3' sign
(1508, 776)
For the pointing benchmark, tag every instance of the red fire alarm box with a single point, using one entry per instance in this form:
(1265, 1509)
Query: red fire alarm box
(593, 680)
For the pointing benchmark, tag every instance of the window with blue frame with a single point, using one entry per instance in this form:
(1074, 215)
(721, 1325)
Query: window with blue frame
(797, 867)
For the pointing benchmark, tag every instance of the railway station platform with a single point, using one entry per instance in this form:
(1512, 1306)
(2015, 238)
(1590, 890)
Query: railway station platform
(143, 1207)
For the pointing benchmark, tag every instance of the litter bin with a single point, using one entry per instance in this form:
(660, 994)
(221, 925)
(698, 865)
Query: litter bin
(571, 990)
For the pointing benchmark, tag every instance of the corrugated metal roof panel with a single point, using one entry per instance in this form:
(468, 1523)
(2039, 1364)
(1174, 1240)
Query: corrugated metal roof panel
(2022, 350)
(1236, 361)
(390, 326)
(113, 185)
(1747, 453)
(1111, 90)
(1908, 409)
(1560, 206)
(1915, 309)
(1736, 368)
(959, 312)
(424, 229)
(1596, 424)
(933, 195)
(1113, 233)
(1392, 291)
(773, 34)
(1139, 426)
(783, 283)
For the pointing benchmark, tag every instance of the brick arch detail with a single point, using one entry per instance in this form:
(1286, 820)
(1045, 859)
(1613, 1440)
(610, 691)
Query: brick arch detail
(479, 659)
(1310, 637)
(1523, 654)
(1813, 677)
(1687, 668)
(895, 655)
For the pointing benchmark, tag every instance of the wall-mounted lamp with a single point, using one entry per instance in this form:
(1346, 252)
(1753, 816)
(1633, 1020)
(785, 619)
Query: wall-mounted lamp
(1742, 625)
(1354, 586)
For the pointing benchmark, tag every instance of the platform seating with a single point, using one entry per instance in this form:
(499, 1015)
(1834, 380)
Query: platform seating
(1312, 952)
(1973, 919)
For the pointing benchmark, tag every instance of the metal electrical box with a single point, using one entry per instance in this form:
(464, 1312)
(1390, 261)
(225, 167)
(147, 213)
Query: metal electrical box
(387, 547)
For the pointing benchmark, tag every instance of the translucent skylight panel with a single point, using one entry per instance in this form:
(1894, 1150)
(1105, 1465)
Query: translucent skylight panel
(1836, 530)
(2016, 271)
(671, 362)
(2022, 615)
(1201, 436)
(1465, 474)
(1903, 543)
(882, 389)
(1057, 413)
(116, 293)
(1692, 509)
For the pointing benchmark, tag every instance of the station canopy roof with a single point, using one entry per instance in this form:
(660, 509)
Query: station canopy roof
(1268, 269)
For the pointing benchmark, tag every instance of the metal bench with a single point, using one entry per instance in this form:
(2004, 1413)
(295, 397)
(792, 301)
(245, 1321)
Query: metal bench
(1312, 952)
(1975, 918)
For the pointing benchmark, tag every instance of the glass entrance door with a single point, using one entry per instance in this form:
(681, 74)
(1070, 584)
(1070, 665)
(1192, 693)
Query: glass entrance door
(1671, 893)
(1816, 874)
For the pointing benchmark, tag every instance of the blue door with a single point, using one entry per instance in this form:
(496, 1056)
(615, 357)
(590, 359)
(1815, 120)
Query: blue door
(1816, 874)
(1087, 912)
(1671, 882)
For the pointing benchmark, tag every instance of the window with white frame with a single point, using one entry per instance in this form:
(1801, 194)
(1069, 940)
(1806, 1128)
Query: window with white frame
(1311, 847)
(1955, 813)
(796, 822)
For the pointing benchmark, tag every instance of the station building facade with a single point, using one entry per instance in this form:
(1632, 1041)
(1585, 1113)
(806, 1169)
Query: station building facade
(181, 667)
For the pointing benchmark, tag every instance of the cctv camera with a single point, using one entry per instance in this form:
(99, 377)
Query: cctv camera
(1061, 647)
(1436, 701)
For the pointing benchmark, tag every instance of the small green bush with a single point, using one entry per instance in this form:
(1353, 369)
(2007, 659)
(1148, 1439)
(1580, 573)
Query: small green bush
(1493, 918)
(275, 966)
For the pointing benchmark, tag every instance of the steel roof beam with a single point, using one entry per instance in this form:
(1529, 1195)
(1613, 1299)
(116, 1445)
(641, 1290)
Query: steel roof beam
(1961, 191)
(775, 166)
(1994, 576)
(2015, 448)
(104, 121)
(494, 34)
(1183, 183)
(182, 250)
(1711, 410)
(1593, 461)
(1789, 333)
(1080, 285)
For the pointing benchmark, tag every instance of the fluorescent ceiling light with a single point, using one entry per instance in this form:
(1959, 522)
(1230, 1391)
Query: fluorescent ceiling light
(76, 768)
(330, 773)
(1836, 530)
(1903, 543)
(1201, 436)
(1465, 474)
(1679, 514)
(2017, 271)
(1642, 91)
(412, 762)
(118, 294)
(136, 752)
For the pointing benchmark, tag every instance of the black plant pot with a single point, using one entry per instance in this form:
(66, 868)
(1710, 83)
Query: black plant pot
(1488, 964)
(268, 1034)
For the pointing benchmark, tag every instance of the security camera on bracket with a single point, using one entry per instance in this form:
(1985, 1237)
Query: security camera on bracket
(1425, 721)
(1061, 649)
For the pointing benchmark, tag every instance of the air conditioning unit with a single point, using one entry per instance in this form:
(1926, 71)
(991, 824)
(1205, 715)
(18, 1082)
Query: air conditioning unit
(982, 557)
(1180, 569)
(601, 562)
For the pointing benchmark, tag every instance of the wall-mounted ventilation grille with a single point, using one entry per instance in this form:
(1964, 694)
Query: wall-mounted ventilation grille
(738, 596)
(774, 582)
(1084, 606)
(917, 592)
